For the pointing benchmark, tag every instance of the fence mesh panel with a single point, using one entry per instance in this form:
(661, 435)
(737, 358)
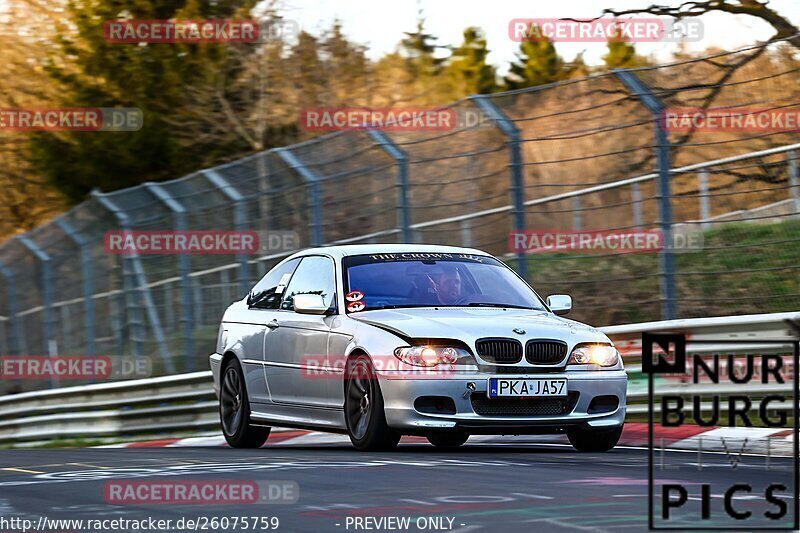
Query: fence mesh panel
(584, 152)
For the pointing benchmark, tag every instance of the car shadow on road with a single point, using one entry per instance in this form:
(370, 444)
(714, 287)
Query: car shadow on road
(425, 449)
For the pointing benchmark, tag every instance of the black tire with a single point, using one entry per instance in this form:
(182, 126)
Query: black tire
(234, 410)
(363, 408)
(585, 440)
(452, 439)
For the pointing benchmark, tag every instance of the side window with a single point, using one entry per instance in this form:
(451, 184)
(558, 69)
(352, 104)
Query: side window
(315, 275)
(267, 292)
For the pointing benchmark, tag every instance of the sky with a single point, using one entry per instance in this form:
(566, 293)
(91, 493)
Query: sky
(380, 24)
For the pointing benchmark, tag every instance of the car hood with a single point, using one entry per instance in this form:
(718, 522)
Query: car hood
(470, 324)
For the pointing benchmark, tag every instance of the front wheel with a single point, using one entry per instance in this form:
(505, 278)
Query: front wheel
(363, 408)
(234, 410)
(452, 439)
(587, 440)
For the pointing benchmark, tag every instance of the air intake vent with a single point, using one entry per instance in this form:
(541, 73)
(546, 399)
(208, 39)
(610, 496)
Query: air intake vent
(545, 352)
(505, 351)
(523, 406)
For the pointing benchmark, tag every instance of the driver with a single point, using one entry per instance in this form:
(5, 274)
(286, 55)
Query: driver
(447, 286)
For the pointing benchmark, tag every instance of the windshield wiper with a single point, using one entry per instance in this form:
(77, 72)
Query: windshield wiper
(394, 306)
(508, 306)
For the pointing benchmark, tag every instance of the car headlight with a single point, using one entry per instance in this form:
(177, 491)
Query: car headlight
(431, 356)
(594, 354)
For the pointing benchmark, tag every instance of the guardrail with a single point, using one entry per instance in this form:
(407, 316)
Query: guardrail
(170, 403)
(186, 402)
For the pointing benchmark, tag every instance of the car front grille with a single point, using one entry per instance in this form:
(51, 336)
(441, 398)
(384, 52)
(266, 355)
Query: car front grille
(538, 352)
(486, 406)
(518, 370)
(504, 351)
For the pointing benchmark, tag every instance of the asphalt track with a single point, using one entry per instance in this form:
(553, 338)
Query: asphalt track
(506, 485)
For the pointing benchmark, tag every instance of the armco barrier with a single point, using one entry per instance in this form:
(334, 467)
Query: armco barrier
(185, 403)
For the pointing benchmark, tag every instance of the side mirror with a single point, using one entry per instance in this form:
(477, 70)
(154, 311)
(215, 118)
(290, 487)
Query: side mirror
(309, 304)
(560, 304)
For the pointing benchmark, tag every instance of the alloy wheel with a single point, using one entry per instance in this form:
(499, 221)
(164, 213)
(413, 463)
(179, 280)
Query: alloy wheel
(231, 402)
(360, 399)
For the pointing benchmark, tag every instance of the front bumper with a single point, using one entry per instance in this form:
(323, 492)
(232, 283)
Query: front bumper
(400, 394)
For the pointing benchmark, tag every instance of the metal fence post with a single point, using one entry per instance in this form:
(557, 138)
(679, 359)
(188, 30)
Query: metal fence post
(239, 221)
(15, 335)
(225, 286)
(48, 319)
(86, 276)
(4, 341)
(705, 203)
(639, 89)
(264, 187)
(794, 186)
(179, 212)
(577, 214)
(116, 307)
(466, 233)
(129, 306)
(198, 300)
(169, 312)
(134, 269)
(312, 180)
(66, 325)
(401, 160)
(636, 199)
(517, 186)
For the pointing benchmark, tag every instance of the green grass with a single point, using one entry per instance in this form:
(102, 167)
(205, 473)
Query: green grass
(743, 268)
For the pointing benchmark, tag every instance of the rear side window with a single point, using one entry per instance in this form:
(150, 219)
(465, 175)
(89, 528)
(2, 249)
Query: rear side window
(267, 292)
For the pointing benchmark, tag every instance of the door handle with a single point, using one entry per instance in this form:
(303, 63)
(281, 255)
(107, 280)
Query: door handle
(272, 324)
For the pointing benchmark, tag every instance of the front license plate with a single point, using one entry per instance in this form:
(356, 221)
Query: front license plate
(523, 387)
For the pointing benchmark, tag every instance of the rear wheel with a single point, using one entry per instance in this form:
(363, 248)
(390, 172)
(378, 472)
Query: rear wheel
(587, 440)
(234, 410)
(363, 408)
(452, 439)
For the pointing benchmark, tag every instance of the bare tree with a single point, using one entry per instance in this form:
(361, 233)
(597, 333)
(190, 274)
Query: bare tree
(784, 29)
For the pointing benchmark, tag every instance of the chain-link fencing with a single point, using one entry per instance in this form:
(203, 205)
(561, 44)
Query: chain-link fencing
(592, 155)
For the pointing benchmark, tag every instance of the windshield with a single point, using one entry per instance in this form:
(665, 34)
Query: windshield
(425, 279)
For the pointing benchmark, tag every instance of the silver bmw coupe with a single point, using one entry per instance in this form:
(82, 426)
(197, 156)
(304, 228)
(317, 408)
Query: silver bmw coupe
(380, 341)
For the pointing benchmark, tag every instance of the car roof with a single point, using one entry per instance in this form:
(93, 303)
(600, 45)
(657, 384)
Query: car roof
(363, 249)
